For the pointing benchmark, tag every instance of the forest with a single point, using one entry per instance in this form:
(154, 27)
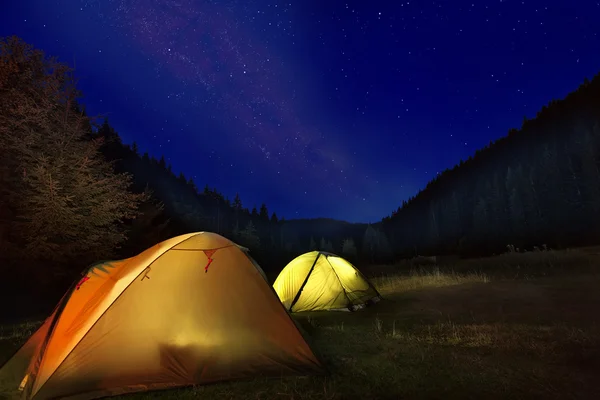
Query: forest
(537, 187)
(72, 193)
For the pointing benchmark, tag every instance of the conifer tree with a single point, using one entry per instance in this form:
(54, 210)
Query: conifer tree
(62, 200)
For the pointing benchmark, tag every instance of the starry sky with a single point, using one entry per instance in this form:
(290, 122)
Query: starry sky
(337, 109)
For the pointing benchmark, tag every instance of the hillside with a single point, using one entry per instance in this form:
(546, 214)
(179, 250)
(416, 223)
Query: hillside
(539, 185)
(178, 206)
(536, 186)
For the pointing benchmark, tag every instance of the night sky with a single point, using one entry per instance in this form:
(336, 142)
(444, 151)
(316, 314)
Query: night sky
(319, 108)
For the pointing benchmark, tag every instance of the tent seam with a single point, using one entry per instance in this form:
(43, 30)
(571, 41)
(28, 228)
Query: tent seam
(340, 281)
(297, 297)
(367, 280)
(51, 329)
(200, 250)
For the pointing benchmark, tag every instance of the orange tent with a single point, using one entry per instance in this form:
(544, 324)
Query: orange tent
(190, 310)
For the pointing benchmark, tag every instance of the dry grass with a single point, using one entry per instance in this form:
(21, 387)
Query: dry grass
(447, 333)
(422, 278)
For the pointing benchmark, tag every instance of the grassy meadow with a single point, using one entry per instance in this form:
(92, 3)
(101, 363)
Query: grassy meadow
(517, 325)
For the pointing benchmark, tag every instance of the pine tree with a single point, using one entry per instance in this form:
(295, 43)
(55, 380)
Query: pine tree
(590, 173)
(192, 185)
(237, 202)
(249, 236)
(329, 247)
(322, 244)
(348, 248)
(453, 219)
(384, 250)
(66, 203)
(433, 228)
(516, 207)
(264, 212)
(370, 243)
(148, 229)
(312, 245)
(480, 221)
(517, 214)
(236, 231)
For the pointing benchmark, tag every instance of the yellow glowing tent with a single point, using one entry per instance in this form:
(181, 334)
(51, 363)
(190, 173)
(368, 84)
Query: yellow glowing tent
(190, 310)
(323, 281)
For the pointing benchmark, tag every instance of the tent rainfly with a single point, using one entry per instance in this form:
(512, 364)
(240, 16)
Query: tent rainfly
(190, 310)
(323, 281)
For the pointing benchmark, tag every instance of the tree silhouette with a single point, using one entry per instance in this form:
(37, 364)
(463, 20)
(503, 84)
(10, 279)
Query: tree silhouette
(66, 202)
(349, 249)
(249, 237)
(538, 185)
(237, 202)
(264, 212)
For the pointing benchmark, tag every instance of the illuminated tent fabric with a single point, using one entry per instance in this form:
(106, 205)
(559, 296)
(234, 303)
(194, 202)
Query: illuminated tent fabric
(323, 281)
(190, 310)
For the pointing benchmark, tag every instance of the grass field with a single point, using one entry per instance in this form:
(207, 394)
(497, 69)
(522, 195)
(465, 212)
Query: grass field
(519, 325)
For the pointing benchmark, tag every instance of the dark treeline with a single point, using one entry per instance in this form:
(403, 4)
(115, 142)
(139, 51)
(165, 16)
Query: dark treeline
(178, 206)
(537, 186)
(71, 193)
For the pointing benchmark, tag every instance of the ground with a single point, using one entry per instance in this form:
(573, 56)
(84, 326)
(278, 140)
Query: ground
(512, 326)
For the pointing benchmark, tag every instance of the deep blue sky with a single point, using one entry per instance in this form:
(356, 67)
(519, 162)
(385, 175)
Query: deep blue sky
(330, 108)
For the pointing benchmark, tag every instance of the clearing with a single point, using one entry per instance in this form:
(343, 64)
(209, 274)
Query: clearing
(528, 327)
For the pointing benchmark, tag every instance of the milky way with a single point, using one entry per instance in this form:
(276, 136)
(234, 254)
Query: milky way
(207, 45)
(318, 108)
